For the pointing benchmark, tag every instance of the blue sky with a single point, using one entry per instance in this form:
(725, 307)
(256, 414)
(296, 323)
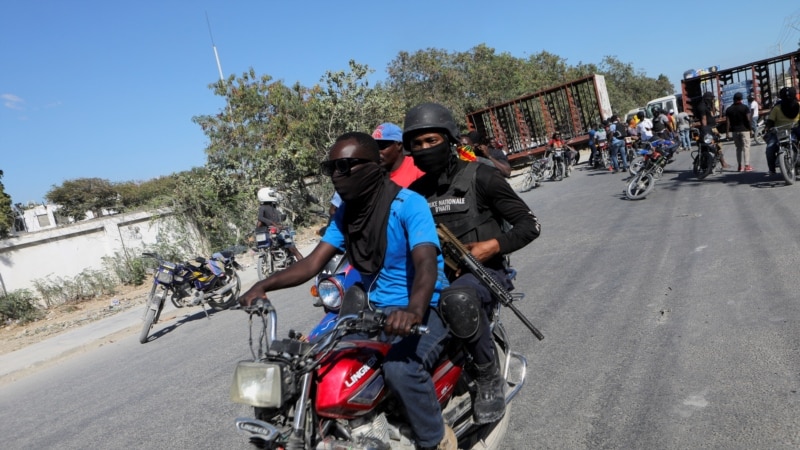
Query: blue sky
(108, 89)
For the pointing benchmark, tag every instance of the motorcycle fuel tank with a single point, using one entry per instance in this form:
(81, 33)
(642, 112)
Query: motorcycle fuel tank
(350, 380)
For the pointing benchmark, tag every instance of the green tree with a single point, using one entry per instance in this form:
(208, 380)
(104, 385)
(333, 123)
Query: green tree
(150, 193)
(6, 213)
(80, 195)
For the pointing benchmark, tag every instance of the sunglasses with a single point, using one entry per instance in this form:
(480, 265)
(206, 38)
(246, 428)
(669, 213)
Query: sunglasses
(383, 145)
(341, 165)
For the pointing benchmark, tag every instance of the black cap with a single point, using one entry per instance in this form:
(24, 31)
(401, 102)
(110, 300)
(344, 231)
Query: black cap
(737, 96)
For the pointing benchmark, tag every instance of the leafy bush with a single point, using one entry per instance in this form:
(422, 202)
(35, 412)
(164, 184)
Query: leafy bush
(86, 285)
(19, 306)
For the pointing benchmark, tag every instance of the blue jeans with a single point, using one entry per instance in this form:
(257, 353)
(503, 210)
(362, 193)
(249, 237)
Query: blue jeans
(618, 147)
(754, 125)
(407, 373)
(686, 142)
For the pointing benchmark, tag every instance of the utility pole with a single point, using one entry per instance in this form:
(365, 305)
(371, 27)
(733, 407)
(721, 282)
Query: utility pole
(219, 66)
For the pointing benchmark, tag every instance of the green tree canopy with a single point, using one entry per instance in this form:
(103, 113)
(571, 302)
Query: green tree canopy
(80, 195)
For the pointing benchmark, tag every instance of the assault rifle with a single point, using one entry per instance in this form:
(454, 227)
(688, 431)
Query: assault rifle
(457, 255)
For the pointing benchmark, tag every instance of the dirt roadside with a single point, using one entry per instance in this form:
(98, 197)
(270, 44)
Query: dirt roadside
(63, 318)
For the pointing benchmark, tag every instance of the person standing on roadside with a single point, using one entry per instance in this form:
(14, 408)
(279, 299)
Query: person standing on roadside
(738, 117)
(684, 121)
(754, 118)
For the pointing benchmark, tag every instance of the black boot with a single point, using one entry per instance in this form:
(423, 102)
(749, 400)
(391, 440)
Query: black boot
(489, 404)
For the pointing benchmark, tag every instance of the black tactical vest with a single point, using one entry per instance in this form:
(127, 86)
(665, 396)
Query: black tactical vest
(457, 208)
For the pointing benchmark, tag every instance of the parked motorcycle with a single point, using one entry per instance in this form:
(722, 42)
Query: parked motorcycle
(706, 157)
(540, 169)
(197, 282)
(273, 254)
(788, 148)
(653, 159)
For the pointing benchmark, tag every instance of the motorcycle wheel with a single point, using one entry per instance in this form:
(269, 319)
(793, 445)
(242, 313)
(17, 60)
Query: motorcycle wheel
(529, 182)
(230, 298)
(706, 165)
(788, 162)
(640, 186)
(150, 316)
(559, 175)
(636, 165)
(261, 265)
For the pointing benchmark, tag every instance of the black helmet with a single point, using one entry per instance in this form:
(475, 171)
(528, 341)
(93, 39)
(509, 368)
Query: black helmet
(656, 111)
(432, 117)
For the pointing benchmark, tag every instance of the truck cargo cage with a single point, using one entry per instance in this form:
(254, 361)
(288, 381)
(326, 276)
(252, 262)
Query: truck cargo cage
(527, 123)
(763, 78)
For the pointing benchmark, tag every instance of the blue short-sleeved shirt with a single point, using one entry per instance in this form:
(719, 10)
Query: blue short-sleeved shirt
(410, 224)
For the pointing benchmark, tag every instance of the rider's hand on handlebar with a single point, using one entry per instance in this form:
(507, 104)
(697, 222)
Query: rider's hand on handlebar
(250, 297)
(400, 322)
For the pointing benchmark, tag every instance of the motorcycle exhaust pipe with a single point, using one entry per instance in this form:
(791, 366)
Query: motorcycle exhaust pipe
(225, 289)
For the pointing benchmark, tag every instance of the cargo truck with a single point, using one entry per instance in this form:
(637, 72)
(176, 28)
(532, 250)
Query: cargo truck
(527, 123)
(763, 79)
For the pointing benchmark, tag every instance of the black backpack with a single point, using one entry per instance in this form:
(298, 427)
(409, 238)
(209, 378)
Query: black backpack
(620, 130)
(658, 124)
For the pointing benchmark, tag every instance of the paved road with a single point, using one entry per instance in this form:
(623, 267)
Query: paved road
(669, 323)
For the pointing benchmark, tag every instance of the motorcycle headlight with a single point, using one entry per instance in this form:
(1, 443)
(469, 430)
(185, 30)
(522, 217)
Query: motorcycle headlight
(708, 138)
(331, 293)
(257, 384)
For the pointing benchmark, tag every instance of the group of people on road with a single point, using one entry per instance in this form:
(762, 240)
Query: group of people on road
(742, 124)
(395, 186)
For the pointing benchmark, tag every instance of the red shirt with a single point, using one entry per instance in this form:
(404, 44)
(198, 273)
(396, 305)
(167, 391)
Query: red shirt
(407, 173)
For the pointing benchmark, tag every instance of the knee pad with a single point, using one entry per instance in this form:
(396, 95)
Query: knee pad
(460, 310)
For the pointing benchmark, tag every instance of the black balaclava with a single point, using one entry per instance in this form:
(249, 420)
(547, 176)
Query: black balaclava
(789, 106)
(435, 159)
(367, 194)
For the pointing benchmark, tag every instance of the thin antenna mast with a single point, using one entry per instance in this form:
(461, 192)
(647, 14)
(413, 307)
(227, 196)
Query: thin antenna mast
(219, 66)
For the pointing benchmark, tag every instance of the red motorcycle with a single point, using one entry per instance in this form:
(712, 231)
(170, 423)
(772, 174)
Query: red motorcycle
(329, 392)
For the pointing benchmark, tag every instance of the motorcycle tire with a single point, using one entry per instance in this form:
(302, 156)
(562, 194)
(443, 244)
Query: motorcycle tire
(788, 162)
(262, 265)
(529, 182)
(706, 165)
(151, 315)
(230, 298)
(559, 172)
(641, 185)
(636, 165)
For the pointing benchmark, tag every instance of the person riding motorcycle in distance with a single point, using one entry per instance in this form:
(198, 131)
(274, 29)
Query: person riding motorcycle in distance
(269, 216)
(706, 110)
(475, 202)
(570, 153)
(390, 238)
(785, 112)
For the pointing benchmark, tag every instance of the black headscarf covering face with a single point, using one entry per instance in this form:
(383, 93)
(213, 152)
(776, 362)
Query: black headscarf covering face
(789, 106)
(367, 194)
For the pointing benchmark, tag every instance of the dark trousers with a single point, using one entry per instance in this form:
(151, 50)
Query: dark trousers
(481, 346)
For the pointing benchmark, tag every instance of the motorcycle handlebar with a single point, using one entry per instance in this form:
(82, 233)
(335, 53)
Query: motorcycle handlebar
(260, 306)
(379, 319)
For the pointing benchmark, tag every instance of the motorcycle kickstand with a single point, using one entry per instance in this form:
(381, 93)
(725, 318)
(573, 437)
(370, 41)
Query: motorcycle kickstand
(203, 305)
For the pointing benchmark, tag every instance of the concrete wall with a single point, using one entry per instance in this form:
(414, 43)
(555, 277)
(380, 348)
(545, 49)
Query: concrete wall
(66, 251)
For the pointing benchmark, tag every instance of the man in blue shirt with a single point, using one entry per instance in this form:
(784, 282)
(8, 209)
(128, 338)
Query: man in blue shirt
(390, 238)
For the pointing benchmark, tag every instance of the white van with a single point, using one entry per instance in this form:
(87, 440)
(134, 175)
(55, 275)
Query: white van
(670, 102)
